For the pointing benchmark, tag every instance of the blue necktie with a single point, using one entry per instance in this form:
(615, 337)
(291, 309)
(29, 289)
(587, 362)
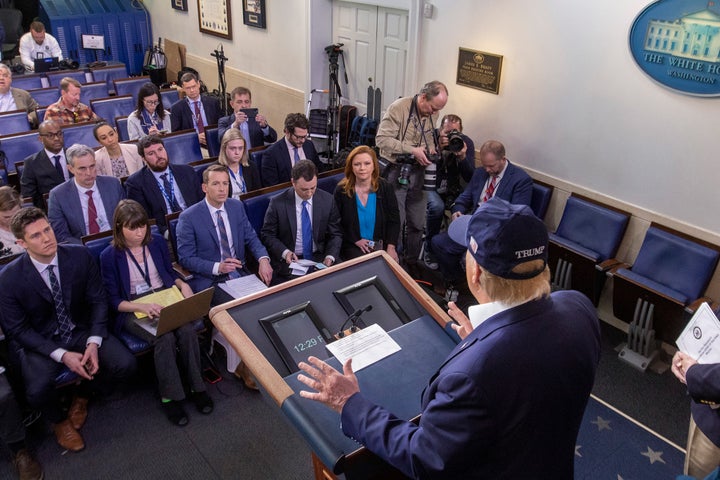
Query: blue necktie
(307, 240)
(297, 155)
(65, 324)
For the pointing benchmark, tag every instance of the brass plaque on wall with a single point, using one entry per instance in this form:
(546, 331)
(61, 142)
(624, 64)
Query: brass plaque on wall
(479, 70)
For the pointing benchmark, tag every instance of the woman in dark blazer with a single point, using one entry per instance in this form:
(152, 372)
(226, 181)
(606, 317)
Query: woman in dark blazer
(137, 263)
(369, 213)
(244, 174)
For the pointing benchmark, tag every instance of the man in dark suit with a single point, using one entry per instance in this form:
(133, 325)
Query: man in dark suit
(16, 98)
(285, 224)
(508, 400)
(85, 204)
(255, 129)
(194, 111)
(54, 311)
(214, 250)
(497, 177)
(279, 158)
(47, 168)
(160, 187)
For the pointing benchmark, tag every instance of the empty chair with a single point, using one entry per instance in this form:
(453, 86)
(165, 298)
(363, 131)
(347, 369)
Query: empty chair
(664, 286)
(111, 107)
(256, 203)
(91, 91)
(183, 147)
(15, 121)
(122, 128)
(19, 146)
(80, 133)
(540, 200)
(108, 75)
(27, 82)
(213, 142)
(12, 24)
(583, 246)
(328, 180)
(45, 96)
(169, 96)
(54, 78)
(130, 86)
(201, 165)
(40, 112)
(256, 155)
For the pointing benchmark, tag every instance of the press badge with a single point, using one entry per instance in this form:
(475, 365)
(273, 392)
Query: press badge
(142, 289)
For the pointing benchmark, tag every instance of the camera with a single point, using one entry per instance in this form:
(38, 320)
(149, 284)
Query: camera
(430, 177)
(455, 141)
(406, 162)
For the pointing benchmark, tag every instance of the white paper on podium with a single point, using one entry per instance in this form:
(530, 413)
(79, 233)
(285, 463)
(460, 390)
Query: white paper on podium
(243, 286)
(365, 347)
(701, 337)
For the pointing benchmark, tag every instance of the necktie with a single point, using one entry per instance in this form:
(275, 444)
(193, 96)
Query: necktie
(174, 205)
(245, 130)
(65, 324)
(93, 226)
(490, 189)
(307, 240)
(58, 166)
(198, 118)
(225, 251)
(297, 156)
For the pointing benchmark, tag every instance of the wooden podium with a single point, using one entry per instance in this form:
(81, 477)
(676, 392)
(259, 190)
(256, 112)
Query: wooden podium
(395, 382)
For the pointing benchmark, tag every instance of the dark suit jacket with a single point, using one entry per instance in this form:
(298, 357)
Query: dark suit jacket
(116, 269)
(142, 187)
(65, 210)
(280, 227)
(387, 219)
(39, 176)
(507, 402)
(27, 310)
(199, 245)
(257, 137)
(515, 187)
(276, 162)
(181, 118)
(703, 384)
(251, 175)
(23, 101)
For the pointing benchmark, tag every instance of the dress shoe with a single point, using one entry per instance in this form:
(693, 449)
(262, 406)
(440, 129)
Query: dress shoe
(27, 466)
(175, 413)
(243, 373)
(202, 401)
(78, 412)
(68, 437)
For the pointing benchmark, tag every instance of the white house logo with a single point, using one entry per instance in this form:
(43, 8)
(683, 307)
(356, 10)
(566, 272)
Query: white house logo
(677, 43)
(697, 333)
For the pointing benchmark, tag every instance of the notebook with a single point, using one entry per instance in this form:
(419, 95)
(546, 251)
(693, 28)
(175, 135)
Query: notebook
(46, 64)
(178, 314)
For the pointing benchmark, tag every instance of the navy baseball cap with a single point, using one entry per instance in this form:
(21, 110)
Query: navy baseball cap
(500, 236)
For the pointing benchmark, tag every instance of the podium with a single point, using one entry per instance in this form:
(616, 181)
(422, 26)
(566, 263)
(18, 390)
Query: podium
(401, 307)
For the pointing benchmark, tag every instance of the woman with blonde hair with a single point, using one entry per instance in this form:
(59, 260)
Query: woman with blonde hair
(244, 174)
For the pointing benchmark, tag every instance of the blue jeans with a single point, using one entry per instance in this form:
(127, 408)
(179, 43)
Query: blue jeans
(435, 213)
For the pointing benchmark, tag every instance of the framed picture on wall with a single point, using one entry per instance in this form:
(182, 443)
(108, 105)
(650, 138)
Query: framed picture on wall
(254, 13)
(179, 5)
(214, 18)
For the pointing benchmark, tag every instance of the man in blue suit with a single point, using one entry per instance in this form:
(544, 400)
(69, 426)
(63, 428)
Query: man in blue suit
(85, 204)
(160, 187)
(212, 236)
(54, 311)
(497, 178)
(508, 401)
(279, 158)
(255, 129)
(195, 111)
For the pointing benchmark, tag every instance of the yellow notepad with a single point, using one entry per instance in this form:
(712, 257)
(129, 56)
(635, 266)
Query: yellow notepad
(163, 297)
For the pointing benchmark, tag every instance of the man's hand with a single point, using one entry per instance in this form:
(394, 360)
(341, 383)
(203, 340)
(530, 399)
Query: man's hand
(290, 257)
(265, 271)
(229, 264)
(240, 118)
(74, 361)
(328, 262)
(463, 327)
(420, 156)
(455, 216)
(680, 364)
(260, 119)
(333, 388)
(390, 249)
(90, 359)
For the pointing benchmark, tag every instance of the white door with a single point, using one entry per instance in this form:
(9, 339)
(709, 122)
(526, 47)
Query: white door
(375, 49)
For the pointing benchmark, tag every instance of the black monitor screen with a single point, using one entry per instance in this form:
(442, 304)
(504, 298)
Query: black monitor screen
(385, 311)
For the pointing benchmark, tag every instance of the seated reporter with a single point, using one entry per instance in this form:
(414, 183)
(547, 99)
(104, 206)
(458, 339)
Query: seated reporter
(138, 263)
(149, 117)
(114, 158)
(244, 174)
(369, 215)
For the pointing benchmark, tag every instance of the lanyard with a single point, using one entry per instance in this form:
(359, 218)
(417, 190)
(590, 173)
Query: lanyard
(239, 180)
(146, 273)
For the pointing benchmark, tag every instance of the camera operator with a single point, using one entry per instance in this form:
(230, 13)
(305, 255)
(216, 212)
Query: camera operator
(408, 129)
(457, 160)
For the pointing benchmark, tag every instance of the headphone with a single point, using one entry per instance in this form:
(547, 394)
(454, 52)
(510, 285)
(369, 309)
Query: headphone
(69, 64)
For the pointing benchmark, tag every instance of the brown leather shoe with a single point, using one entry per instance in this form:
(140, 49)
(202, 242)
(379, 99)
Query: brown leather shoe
(27, 466)
(78, 412)
(243, 373)
(68, 437)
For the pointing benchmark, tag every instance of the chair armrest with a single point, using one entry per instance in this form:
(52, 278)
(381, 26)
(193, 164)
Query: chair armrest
(693, 306)
(613, 269)
(607, 264)
(184, 274)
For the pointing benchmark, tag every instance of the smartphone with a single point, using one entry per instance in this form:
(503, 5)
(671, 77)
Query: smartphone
(211, 375)
(250, 112)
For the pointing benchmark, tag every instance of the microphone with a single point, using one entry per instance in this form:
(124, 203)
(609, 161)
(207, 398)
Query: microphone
(352, 320)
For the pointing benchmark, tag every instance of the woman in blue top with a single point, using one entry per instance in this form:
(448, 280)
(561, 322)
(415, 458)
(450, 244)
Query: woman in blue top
(369, 213)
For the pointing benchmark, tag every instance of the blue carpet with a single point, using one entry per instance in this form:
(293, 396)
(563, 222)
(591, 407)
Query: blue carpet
(612, 446)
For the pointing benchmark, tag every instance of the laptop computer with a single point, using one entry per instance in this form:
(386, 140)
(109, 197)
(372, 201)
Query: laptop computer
(46, 64)
(178, 314)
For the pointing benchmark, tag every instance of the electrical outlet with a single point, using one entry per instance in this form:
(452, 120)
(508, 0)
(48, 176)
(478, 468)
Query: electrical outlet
(428, 10)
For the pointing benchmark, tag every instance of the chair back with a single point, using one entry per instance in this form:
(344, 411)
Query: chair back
(19, 146)
(110, 107)
(15, 121)
(122, 127)
(97, 242)
(328, 180)
(54, 78)
(255, 208)
(108, 75)
(91, 91)
(40, 112)
(45, 96)
(541, 194)
(169, 96)
(7, 259)
(593, 227)
(183, 147)
(130, 86)
(213, 142)
(201, 165)
(256, 155)
(81, 133)
(171, 220)
(679, 263)
(28, 82)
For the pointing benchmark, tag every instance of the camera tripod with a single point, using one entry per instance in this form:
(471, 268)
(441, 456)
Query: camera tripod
(222, 90)
(334, 52)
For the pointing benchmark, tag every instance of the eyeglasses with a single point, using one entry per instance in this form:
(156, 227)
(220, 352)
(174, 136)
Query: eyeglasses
(52, 134)
(300, 137)
(151, 102)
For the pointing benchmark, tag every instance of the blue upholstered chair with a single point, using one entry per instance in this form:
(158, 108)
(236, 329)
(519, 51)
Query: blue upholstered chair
(201, 165)
(19, 146)
(27, 82)
(183, 147)
(541, 195)
(169, 96)
(328, 180)
(256, 155)
(45, 96)
(108, 75)
(130, 86)
(15, 121)
(54, 78)
(582, 248)
(40, 112)
(109, 108)
(122, 128)
(213, 142)
(91, 91)
(81, 133)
